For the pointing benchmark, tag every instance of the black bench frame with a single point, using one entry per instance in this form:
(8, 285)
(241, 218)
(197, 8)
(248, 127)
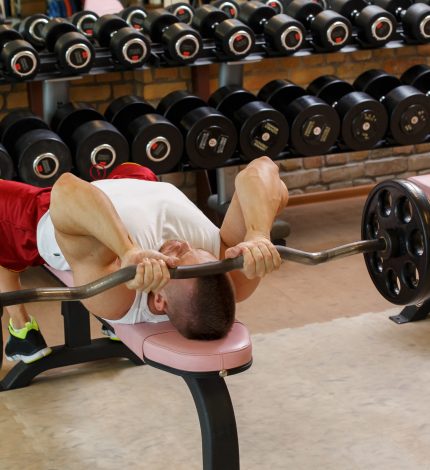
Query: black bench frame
(220, 446)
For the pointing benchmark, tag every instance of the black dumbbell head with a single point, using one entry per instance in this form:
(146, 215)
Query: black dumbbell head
(31, 29)
(20, 60)
(303, 11)
(125, 109)
(417, 76)
(393, 6)
(84, 22)
(229, 7)
(157, 21)
(41, 157)
(416, 22)
(329, 88)
(229, 99)
(54, 29)
(284, 34)
(183, 11)
(6, 164)
(255, 15)
(280, 92)
(376, 82)
(106, 26)
(207, 18)
(348, 8)
(236, 39)
(130, 48)
(178, 103)
(134, 16)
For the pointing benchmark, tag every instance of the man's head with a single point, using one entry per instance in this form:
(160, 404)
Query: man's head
(200, 308)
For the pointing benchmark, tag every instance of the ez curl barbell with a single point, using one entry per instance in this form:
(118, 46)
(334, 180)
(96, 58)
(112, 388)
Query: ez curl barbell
(395, 244)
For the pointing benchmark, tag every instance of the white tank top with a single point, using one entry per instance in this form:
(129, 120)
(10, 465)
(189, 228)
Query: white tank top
(153, 213)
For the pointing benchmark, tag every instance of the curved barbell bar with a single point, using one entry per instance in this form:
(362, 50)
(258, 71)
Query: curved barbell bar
(183, 272)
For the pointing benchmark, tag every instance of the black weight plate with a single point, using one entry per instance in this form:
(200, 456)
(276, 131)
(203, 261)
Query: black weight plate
(6, 165)
(130, 48)
(155, 143)
(314, 125)
(54, 29)
(364, 120)
(70, 116)
(417, 76)
(409, 112)
(228, 99)
(178, 103)
(31, 29)
(235, 38)
(157, 21)
(284, 34)
(98, 146)
(262, 130)
(106, 27)
(255, 15)
(376, 83)
(399, 211)
(183, 43)
(329, 88)
(330, 30)
(84, 22)
(416, 22)
(42, 157)
(206, 18)
(123, 110)
(210, 138)
(17, 123)
(280, 93)
(302, 9)
(229, 7)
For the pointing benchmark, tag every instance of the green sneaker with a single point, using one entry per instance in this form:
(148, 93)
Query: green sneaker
(27, 344)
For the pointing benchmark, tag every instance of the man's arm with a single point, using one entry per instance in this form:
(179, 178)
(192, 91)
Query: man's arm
(260, 195)
(95, 242)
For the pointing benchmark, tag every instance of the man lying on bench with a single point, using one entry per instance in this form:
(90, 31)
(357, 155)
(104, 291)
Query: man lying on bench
(97, 228)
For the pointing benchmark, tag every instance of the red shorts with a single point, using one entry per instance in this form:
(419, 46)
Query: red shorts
(22, 206)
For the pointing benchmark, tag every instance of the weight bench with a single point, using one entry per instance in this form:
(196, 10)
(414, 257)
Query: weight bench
(202, 364)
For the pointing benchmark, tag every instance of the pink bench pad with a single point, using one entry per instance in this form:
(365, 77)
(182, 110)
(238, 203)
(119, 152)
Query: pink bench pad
(161, 343)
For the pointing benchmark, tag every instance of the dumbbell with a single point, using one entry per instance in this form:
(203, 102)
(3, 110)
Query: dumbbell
(31, 29)
(74, 51)
(330, 30)
(415, 18)
(209, 137)
(417, 76)
(229, 7)
(232, 37)
(183, 11)
(40, 156)
(129, 47)
(262, 130)
(408, 108)
(154, 141)
(84, 22)
(281, 32)
(6, 164)
(364, 120)
(375, 26)
(314, 125)
(96, 145)
(18, 57)
(134, 16)
(182, 43)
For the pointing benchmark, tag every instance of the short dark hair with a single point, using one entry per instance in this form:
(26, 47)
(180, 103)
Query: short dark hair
(209, 314)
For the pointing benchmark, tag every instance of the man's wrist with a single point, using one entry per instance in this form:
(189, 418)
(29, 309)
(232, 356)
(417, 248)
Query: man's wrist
(256, 234)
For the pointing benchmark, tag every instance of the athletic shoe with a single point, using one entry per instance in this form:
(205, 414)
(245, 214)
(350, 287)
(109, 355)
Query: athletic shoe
(109, 333)
(27, 344)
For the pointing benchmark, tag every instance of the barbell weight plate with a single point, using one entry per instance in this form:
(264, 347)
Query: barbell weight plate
(125, 109)
(178, 103)
(6, 164)
(409, 113)
(399, 211)
(262, 130)
(17, 123)
(155, 143)
(364, 120)
(68, 117)
(98, 145)
(42, 157)
(210, 137)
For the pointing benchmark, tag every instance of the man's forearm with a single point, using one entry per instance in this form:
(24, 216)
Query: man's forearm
(261, 194)
(79, 208)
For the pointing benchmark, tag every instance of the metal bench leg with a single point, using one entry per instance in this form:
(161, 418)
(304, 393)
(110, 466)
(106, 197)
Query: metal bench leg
(220, 446)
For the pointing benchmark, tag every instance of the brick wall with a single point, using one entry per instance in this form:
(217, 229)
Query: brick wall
(302, 175)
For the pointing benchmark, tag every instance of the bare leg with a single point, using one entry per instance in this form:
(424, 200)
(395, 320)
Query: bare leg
(10, 281)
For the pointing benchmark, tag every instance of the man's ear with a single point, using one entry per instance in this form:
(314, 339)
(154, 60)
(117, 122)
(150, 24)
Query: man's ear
(159, 303)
